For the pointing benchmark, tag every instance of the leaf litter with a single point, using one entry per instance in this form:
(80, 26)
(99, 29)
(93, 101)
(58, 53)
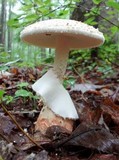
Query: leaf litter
(96, 132)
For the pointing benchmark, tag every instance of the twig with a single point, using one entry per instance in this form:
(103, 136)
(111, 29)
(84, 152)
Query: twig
(115, 64)
(13, 119)
(24, 112)
(9, 63)
(78, 6)
(75, 71)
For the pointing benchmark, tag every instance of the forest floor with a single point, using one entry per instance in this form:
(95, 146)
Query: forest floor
(95, 135)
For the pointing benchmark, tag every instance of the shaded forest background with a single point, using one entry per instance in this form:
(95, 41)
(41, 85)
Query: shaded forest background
(16, 14)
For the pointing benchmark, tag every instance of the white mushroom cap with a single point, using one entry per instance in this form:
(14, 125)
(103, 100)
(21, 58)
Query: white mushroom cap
(45, 34)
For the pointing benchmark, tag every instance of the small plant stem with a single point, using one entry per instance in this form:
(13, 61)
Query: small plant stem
(13, 119)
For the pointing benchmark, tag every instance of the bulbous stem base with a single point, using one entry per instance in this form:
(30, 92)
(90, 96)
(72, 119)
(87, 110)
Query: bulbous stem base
(48, 118)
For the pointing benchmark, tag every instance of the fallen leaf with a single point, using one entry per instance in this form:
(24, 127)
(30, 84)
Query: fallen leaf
(86, 87)
(110, 108)
(91, 137)
(104, 157)
(6, 125)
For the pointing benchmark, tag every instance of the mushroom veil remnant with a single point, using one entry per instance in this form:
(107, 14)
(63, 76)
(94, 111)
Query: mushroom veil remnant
(63, 35)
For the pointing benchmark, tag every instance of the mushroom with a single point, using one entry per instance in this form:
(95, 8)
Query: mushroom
(63, 35)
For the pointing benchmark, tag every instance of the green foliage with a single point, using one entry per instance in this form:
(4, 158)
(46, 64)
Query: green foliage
(36, 10)
(97, 1)
(23, 84)
(113, 4)
(13, 22)
(49, 59)
(69, 81)
(4, 56)
(21, 92)
(5, 98)
(8, 99)
(2, 92)
(3, 68)
(25, 93)
(33, 11)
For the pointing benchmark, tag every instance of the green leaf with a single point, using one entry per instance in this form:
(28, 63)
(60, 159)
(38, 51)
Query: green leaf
(31, 17)
(69, 82)
(13, 23)
(113, 4)
(4, 56)
(23, 93)
(48, 60)
(35, 97)
(8, 99)
(3, 68)
(114, 29)
(90, 20)
(23, 84)
(2, 92)
(97, 1)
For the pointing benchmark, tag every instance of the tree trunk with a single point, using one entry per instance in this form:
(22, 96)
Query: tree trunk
(2, 25)
(9, 39)
(79, 15)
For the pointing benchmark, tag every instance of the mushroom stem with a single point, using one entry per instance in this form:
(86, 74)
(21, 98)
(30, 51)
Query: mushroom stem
(61, 57)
